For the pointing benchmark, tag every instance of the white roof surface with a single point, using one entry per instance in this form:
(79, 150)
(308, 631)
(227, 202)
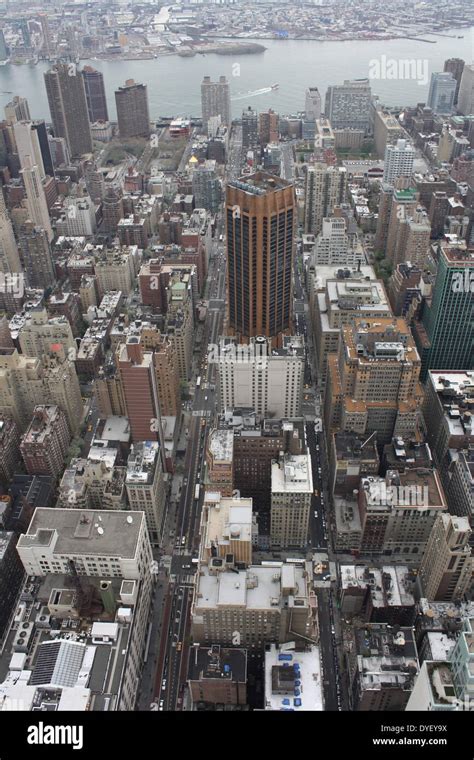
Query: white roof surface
(310, 686)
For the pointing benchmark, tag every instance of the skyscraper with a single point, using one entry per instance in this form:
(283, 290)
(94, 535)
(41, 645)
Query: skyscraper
(3, 47)
(206, 186)
(348, 104)
(132, 109)
(268, 127)
(325, 188)
(17, 110)
(249, 129)
(68, 107)
(9, 256)
(312, 105)
(446, 567)
(27, 145)
(261, 225)
(37, 259)
(399, 161)
(442, 92)
(95, 94)
(35, 196)
(215, 100)
(444, 335)
(466, 90)
(373, 380)
(39, 127)
(455, 66)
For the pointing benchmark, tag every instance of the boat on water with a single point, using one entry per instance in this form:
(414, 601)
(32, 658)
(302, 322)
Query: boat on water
(275, 86)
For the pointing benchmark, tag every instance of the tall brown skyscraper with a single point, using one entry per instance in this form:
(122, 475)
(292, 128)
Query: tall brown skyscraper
(68, 107)
(95, 94)
(132, 109)
(261, 225)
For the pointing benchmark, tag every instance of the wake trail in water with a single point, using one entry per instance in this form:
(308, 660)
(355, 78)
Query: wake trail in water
(252, 93)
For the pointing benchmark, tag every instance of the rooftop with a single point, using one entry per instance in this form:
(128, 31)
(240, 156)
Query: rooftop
(293, 680)
(218, 663)
(142, 462)
(259, 183)
(73, 531)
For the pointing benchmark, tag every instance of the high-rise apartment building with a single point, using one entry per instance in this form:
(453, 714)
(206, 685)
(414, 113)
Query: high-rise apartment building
(132, 109)
(325, 188)
(261, 226)
(38, 211)
(442, 92)
(68, 107)
(446, 568)
(9, 449)
(140, 392)
(268, 127)
(399, 160)
(215, 101)
(145, 485)
(38, 332)
(466, 90)
(444, 334)
(95, 94)
(207, 187)
(387, 130)
(348, 104)
(262, 378)
(410, 240)
(333, 247)
(44, 445)
(17, 110)
(373, 380)
(398, 205)
(26, 381)
(398, 512)
(249, 129)
(455, 66)
(292, 491)
(337, 305)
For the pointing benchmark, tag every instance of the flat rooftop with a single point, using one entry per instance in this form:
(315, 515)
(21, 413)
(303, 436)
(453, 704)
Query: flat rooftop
(217, 663)
(221, 444)
(75, 531)
(256, 588)
(301, 672)
(259, 183)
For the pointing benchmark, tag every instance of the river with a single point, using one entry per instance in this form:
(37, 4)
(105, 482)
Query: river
(174, 82)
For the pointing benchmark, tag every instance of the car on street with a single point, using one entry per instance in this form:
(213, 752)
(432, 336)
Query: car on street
(163, 685)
